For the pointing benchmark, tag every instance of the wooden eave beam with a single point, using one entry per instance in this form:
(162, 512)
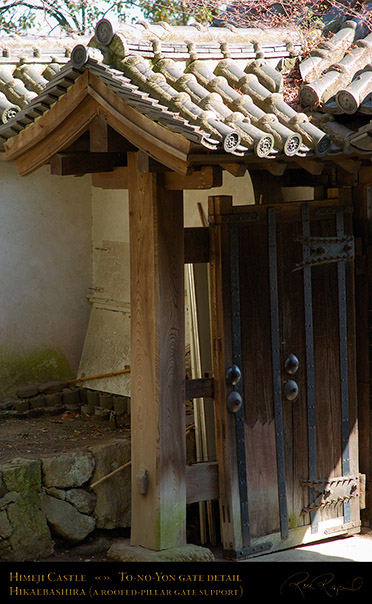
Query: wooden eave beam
(49, 122)
(74, 125)
(72, 115)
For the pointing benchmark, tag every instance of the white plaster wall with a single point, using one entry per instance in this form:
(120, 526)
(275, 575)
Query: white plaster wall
(107, 342)
(45, 262)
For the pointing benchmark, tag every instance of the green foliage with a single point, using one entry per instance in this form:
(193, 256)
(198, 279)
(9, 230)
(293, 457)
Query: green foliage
(71, 16)
(178, 12)
(81, 16)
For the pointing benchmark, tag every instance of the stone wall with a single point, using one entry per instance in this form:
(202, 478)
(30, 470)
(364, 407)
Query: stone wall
(54, 397)
(42, 499)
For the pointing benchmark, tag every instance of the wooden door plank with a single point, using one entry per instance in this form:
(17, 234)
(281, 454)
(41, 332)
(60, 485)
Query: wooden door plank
(157, 360)
(291, 295)
(230, 517)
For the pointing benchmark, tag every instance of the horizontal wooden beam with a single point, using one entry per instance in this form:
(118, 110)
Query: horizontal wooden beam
(205, 178)
(202, 482)
(65, 164)
(199, 388)
(196, 245)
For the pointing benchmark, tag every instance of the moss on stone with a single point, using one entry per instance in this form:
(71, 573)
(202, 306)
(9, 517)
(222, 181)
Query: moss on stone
(31, 538)
(18, 369)
(22, 476)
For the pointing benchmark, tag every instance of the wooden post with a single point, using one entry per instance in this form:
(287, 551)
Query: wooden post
(158, 505)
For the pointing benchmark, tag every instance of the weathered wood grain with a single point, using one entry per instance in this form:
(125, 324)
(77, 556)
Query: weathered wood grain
(157, 360)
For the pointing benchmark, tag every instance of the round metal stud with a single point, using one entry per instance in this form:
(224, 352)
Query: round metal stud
(291, 364)
(233, 375)
(234, 402)
(291, 390)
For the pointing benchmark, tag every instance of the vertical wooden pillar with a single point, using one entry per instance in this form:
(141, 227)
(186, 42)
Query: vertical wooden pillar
(362, 198)
(158, 507)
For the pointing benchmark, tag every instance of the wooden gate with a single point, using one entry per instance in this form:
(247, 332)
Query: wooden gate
(282, 296)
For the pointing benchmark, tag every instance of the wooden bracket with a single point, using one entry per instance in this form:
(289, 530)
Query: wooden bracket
(236, 170)
(205, 178)
(315, 168)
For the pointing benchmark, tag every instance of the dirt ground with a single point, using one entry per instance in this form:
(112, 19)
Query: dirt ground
(37, 437)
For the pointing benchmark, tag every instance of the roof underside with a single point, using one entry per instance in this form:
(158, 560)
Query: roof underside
(192, 92)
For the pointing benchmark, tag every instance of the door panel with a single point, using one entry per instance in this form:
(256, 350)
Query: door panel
(277, 292)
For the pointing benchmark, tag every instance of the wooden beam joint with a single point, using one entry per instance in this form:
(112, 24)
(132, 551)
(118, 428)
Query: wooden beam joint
(207, 177)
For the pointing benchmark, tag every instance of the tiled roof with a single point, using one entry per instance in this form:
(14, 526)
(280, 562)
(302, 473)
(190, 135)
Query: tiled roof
(221, 88)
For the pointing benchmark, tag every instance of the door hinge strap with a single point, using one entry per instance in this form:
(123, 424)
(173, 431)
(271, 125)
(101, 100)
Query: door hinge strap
(338, 489)
(245, 552)
(324, 250)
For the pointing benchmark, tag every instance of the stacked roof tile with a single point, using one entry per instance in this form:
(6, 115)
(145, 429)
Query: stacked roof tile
(220, 87)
